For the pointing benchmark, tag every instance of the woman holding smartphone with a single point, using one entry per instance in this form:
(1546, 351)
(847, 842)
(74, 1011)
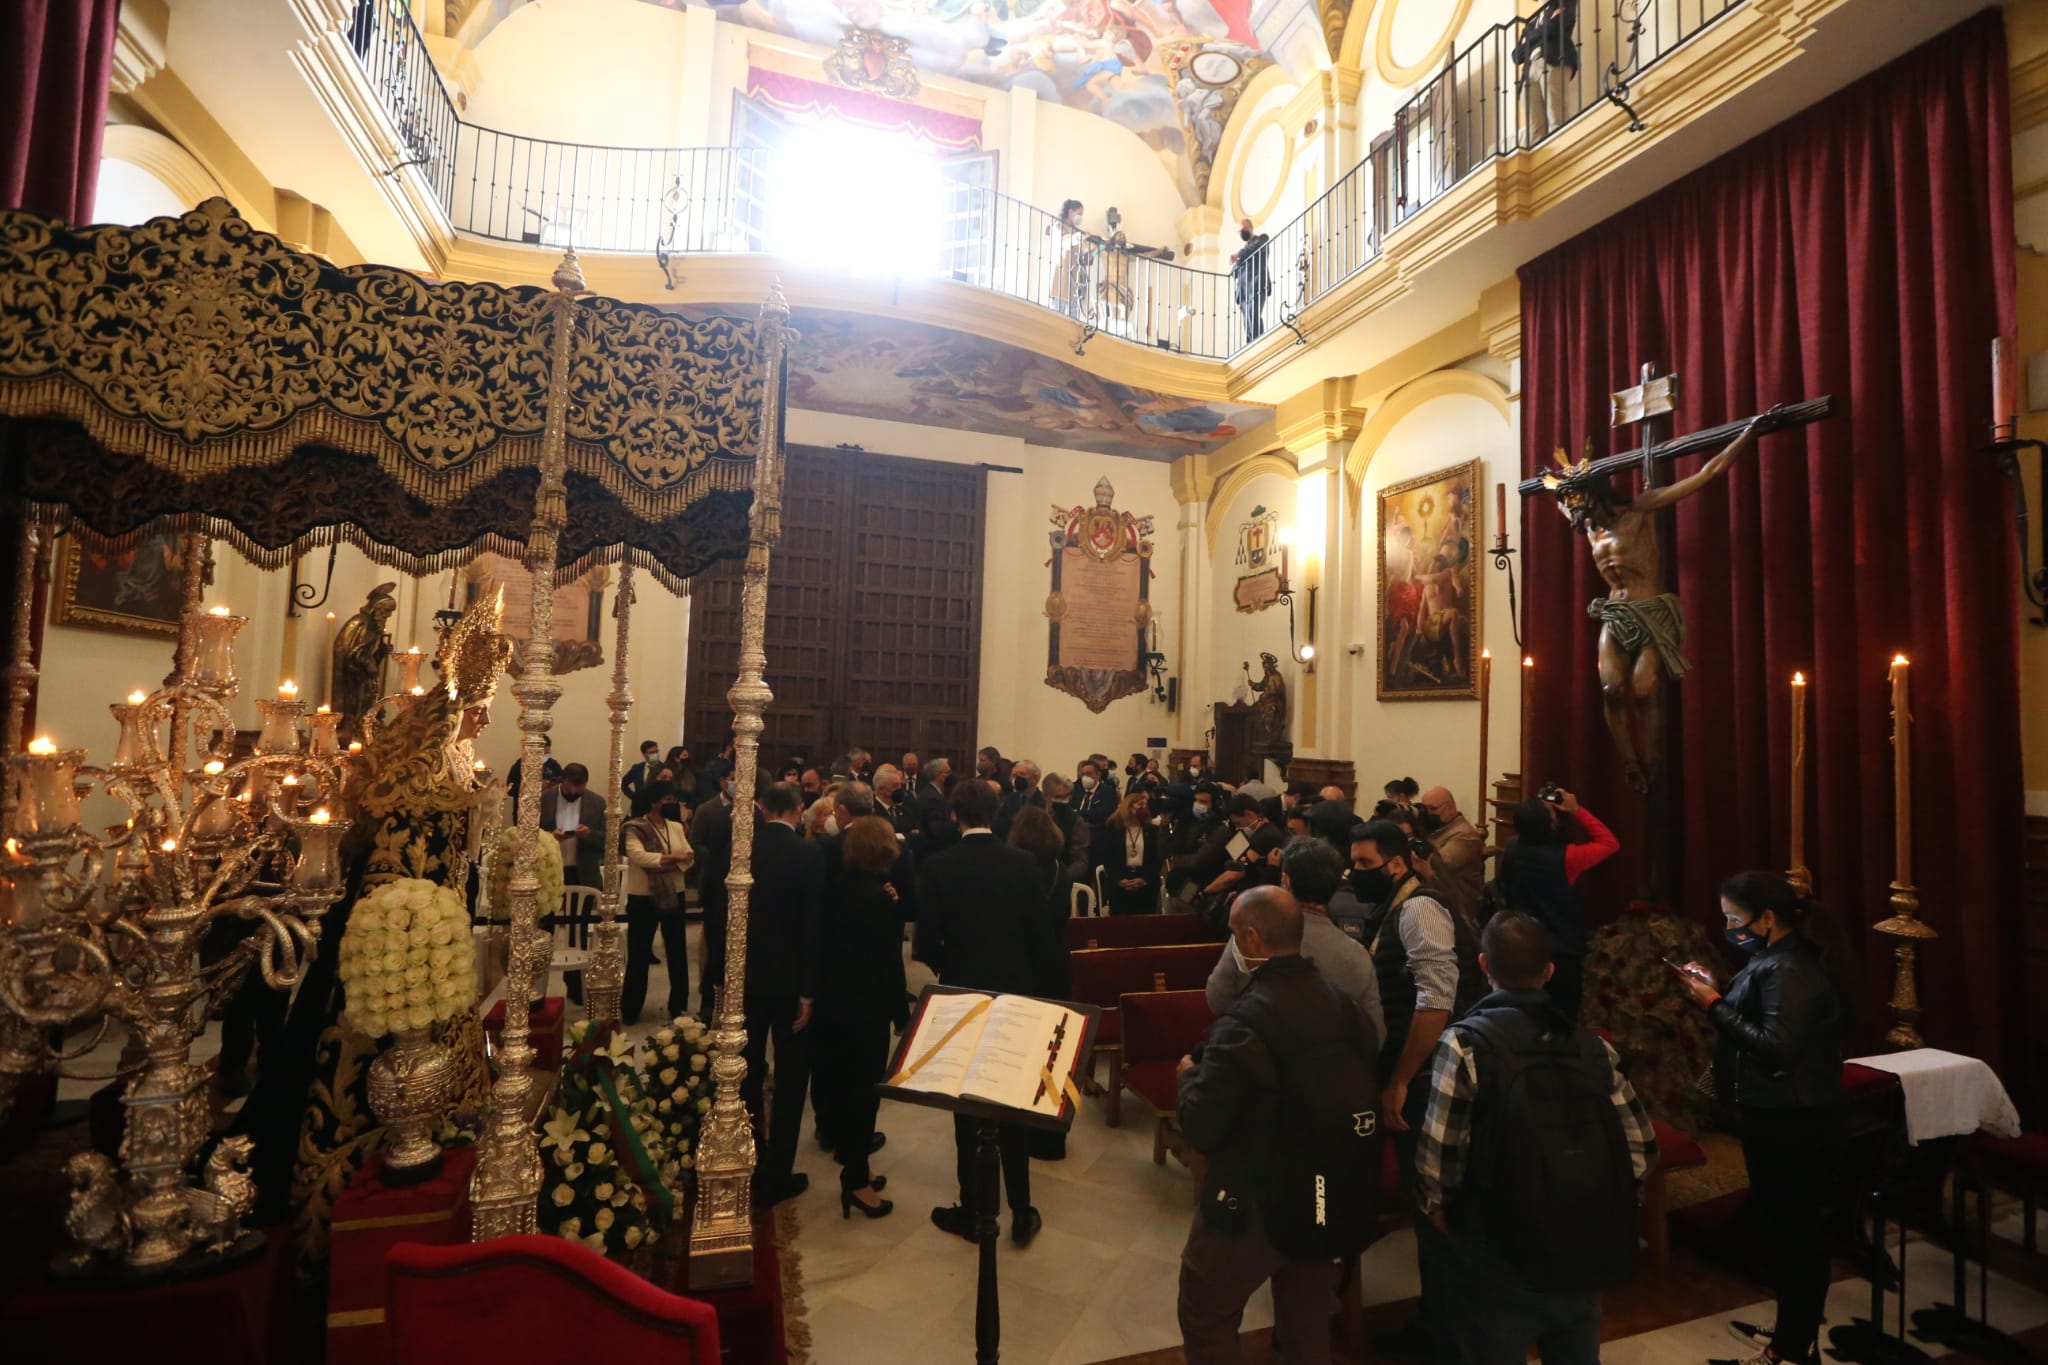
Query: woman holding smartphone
(1779, 1058)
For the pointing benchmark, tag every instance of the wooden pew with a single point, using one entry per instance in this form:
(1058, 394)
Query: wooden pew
(1138, 931)
(1160, 1028)
(1102, 976)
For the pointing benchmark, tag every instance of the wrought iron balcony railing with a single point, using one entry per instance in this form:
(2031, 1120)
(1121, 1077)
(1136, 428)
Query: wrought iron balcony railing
(1514, 86)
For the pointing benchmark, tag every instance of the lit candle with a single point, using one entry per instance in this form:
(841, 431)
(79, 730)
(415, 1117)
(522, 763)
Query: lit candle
(128, 747)
(213, 663)
(1902, 765)
(327, 660)
(1485, 713)
(46, 778)
(315, 872)
(287, 690)
(1528, 728)
(280, 725)
(137, 697)
(169, 845)
(326, 732)
(410, 662)
(1797, 872)
(355, 746)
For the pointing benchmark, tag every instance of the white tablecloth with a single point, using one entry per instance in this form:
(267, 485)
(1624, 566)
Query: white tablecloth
(1947, 1094)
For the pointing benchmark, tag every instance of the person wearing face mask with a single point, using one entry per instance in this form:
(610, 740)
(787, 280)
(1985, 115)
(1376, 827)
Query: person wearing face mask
(1312, 873)
(991, 766)
(1538, 873)
(657, 854)
(1127, 849)
(1196, 772)
(640, 775)
(574, 814)
(1194, 827)
(1250, 280)
(1415, 951)
(1019, 792)
(1778, 1056)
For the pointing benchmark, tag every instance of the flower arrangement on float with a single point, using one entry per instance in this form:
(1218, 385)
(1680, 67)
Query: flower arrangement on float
(619, 1145)
(547, 870)
(407, 962)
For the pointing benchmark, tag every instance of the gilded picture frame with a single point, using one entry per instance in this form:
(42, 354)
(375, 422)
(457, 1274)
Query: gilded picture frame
(139, 591)
(1429, 604)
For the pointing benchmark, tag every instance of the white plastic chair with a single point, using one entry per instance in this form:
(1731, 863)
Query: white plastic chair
(1083, 903)
(571, 937)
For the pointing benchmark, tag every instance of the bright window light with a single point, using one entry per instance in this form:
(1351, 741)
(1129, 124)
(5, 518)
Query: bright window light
(868, 203)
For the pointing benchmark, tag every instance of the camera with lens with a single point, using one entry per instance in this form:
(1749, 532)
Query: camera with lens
(1552, 793)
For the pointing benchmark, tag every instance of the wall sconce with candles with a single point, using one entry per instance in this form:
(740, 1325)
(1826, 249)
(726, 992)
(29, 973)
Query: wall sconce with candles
(2004, 449)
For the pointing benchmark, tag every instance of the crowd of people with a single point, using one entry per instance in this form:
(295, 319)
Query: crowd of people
(1375, 984)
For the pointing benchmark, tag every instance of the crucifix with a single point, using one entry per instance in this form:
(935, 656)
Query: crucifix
(1642, 625)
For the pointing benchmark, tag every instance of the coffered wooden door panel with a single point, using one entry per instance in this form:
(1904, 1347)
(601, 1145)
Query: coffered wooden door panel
(874, 613)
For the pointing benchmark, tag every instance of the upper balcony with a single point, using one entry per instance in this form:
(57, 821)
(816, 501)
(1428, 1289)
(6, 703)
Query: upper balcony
(1513, 125)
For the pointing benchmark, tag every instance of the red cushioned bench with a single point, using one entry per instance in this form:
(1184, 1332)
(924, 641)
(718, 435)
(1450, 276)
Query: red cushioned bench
(1160, 1028)
(1138, 931)
(1103, 976)
(2017, 1165)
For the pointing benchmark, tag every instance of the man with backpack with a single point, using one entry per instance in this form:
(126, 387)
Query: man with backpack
(1531, 1150)
(1283, 1101)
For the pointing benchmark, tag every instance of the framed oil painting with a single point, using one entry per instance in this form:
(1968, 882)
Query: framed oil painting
(138, 591)
(579, 610)
(1429, 587)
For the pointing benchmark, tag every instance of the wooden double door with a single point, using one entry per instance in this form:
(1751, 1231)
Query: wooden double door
(874, 614)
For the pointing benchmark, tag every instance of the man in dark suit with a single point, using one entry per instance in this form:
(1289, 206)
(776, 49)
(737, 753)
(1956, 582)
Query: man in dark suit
(711, 834)
(1021, 791)
(982, 924)
(574, 814)
(784, 923)
(936, 831)
(640, 774)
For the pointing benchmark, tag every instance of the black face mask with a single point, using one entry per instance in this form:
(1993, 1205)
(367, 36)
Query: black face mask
(1244, 234)
(1020, 784)
(1372, 886)
(672, 812)
(1428, 821)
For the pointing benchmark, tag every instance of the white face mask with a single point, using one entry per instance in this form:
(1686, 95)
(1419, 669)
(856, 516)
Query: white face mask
(832, 824)
(1201, 811)
(1244, 964)
(1087, 783)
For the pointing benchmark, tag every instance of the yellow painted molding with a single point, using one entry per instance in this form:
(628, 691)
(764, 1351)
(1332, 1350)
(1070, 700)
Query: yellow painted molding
(1500, 319)
(1401, 75)
(1236, 131)
(1442, 384)
(1232, 483)
(1318, 415)
(180, 171)
(1190, 478)
(176, 110)
(2027, 83)
(1350, 52)
(140, 43)
(1438, 351)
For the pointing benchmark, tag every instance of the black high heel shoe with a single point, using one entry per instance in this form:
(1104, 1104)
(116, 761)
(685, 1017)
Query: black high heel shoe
(847, 1204)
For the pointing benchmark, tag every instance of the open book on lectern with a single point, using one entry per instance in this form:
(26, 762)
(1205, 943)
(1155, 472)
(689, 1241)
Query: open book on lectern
(1007, 1050)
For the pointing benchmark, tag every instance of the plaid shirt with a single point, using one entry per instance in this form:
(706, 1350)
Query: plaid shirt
(1446, 1137)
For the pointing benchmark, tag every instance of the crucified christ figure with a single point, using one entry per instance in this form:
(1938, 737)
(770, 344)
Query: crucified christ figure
(1642, 626)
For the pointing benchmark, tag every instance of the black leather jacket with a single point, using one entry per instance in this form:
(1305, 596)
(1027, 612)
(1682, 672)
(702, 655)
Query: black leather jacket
(1781, 1032)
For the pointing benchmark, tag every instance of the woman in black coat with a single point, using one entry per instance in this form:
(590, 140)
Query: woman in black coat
(1779, 1058)
(1037, 833)
(1129, 852)
(860, 999)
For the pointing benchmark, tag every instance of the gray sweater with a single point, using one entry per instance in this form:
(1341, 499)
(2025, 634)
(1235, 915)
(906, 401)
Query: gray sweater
(1341, 960)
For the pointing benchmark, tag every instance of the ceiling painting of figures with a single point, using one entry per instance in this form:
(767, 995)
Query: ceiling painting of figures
(896, 371)
(1169, 70)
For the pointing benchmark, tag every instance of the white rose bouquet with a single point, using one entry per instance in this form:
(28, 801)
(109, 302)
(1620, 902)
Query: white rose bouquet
(589, 1191)
(547, 869)
(675, 1078)
(407, 960)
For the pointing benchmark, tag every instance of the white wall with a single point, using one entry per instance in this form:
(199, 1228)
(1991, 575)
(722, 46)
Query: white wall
(1438, 741)
(1087, 157)
(602, 72)
(1414, 27)
(1020, 714)
(1237, 638)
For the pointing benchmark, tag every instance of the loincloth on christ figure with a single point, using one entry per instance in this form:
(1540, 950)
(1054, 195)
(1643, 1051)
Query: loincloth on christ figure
(1644, 623)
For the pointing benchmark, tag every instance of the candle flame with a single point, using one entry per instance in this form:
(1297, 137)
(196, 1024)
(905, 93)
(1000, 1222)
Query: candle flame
(14, 848)
(42, 744)
(218, 611)
(479, 765)
(291, 779)
(1528, 661)
(323, 709)
(419, 691)
(414, 650)
(355, 746)
(319, 817)
(1486, 654)
(214, 768)
(1799, 680)
(287, 689)
(137, 697)
(170, 845)
(1899, 661)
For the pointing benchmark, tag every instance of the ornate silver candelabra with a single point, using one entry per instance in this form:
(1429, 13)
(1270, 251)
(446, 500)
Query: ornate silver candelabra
(106, 926)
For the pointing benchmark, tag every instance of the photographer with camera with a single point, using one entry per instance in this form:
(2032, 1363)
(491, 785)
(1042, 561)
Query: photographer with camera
(1557, 841)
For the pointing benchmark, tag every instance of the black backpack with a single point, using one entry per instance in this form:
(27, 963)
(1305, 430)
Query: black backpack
(1549, 1185)
(1320, 1193)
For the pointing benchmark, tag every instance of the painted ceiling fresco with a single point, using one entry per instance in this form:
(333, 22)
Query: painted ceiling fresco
(1169, 70)
(898, 371)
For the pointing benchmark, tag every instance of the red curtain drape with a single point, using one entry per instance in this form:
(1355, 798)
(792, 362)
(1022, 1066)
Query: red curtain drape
(55, 60)
(1863, 249)
(55, 57)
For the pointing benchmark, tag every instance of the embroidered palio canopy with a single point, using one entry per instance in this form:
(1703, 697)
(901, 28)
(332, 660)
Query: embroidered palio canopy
(195, 372)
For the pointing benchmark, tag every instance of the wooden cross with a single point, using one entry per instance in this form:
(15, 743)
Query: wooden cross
(1785, 418)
